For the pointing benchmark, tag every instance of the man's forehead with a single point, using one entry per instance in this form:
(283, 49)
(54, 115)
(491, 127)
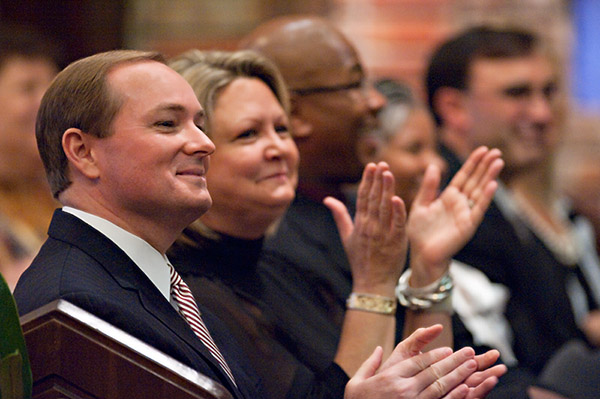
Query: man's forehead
(317, 56)
(153, 85)
(341, 69)
(531, 70)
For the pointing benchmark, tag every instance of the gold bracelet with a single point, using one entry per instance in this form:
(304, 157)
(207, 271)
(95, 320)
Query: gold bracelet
(371, 303)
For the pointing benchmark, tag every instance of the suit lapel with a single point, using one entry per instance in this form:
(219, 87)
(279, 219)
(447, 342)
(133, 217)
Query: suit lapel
(69, 228)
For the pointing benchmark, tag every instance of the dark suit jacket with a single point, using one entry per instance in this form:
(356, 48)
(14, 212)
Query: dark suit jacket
(81, 265)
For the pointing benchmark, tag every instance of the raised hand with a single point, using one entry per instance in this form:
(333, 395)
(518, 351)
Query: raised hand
(439, 226)
(409, 373)
(375, 242)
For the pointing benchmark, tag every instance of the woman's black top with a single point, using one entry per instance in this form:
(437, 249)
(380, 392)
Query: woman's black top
(262, 312)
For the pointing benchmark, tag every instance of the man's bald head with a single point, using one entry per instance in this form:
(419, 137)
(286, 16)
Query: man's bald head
(304, 48)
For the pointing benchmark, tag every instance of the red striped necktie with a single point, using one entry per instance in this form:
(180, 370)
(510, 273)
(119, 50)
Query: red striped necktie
(189, 310)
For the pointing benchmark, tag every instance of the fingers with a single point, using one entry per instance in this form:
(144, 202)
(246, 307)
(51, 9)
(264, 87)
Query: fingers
(487, 377)
(375, 197)
(342, 218)
(482, 389)
(482, 202)
(460, 178)
(459, 392)
(429, 187)
(399, 218)
(377, 206)
(423, 361)
(437, 372)
(364, 188)
(480, 376)
(483, 190)
(482, 173)
(413, 344)
(448, 372)
(370, 366)
(385, 205)
(486, 359)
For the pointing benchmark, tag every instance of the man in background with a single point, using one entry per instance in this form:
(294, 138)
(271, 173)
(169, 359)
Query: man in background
(501, 88)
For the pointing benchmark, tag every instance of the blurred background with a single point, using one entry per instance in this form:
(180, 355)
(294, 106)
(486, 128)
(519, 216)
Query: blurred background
(394, 37)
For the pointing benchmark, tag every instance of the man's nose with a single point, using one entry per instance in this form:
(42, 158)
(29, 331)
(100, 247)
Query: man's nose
(541, 108)
(375, 99)
(198, 141)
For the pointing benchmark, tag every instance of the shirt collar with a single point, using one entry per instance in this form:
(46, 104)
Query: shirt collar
(144, 255)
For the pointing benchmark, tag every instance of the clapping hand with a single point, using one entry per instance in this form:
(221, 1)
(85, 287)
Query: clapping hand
(439, 373)
(439, 226)
(375, 242)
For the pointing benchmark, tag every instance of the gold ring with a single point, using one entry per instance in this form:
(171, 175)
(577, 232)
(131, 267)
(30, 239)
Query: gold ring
(471, 203)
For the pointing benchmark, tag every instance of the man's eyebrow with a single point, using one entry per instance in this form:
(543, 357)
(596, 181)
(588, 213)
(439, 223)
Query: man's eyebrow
(178, 108)
(170, 107)
(518, 86)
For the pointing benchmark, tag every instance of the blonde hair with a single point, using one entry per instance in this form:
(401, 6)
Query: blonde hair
(209, 72)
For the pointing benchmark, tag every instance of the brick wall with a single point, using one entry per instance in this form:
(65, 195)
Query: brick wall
(394, 37)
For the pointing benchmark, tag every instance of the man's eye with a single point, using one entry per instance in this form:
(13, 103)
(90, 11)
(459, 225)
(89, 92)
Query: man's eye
(165, 124)
(518, 92)
(550, 90)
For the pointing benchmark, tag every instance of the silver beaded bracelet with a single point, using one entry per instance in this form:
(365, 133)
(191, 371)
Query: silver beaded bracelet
(433, 297)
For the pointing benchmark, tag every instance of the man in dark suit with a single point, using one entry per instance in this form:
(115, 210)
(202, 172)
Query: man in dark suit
(127, 160)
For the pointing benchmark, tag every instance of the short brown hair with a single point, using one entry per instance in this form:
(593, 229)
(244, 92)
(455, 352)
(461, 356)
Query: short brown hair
(80, 98)
(209, 72)
(450, 64)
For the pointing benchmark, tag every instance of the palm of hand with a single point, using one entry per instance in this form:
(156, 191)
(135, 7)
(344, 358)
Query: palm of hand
(441, 228)
(375, 244)
(375, 241)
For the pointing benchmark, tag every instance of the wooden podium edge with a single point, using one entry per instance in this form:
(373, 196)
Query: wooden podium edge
(142, 349)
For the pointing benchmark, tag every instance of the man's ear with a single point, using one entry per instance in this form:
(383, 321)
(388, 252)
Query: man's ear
(77, 146)
(450, 104)
(368, 149)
